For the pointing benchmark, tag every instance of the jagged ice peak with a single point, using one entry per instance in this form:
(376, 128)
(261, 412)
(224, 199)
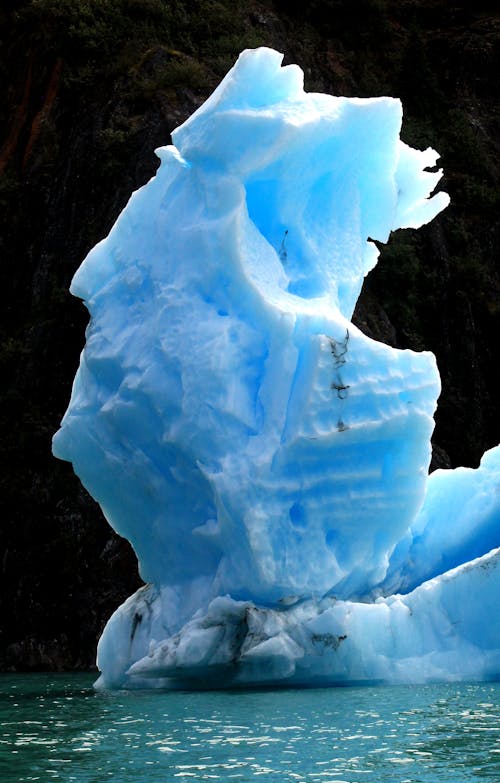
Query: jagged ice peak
(267, 461)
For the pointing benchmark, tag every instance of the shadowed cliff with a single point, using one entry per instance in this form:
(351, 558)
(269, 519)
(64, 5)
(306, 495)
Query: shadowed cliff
(87, 91)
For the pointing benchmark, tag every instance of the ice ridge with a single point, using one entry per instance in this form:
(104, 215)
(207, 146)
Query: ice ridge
(267, 460)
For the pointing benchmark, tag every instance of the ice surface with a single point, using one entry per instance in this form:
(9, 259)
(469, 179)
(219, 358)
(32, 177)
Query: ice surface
(265, 458)
(434, 633)
(459, 521)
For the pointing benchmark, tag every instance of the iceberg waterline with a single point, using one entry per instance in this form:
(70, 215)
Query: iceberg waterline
(267, 461)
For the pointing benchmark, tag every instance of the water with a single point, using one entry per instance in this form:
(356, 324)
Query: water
(55, 727)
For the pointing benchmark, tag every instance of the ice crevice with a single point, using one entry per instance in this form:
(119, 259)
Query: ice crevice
(267, 460)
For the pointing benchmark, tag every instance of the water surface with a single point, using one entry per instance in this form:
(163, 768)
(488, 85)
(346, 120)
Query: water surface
(55, 727)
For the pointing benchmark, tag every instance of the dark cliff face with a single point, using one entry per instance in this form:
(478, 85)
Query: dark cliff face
(88, 90)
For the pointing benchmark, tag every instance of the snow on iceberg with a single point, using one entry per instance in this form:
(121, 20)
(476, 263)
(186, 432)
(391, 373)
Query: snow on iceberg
(267, 461)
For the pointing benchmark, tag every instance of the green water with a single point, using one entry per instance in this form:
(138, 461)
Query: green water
(55, 727)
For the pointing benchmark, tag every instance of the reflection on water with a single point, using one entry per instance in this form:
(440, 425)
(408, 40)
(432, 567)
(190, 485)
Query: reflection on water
(54, 727)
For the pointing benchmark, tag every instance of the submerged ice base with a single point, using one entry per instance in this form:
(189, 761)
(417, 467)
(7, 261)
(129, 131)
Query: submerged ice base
(262, 455)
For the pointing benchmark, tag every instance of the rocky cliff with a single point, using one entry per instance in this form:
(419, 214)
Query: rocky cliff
(87, 91)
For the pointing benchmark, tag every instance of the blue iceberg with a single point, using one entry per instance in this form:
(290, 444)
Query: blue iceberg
(268, 461)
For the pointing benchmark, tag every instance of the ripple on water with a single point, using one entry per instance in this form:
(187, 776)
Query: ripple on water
(58, 728)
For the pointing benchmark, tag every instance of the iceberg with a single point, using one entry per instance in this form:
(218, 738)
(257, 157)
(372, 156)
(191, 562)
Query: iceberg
(267, 460)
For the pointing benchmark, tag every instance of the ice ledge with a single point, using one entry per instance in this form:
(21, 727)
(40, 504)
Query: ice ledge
(440, 631)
